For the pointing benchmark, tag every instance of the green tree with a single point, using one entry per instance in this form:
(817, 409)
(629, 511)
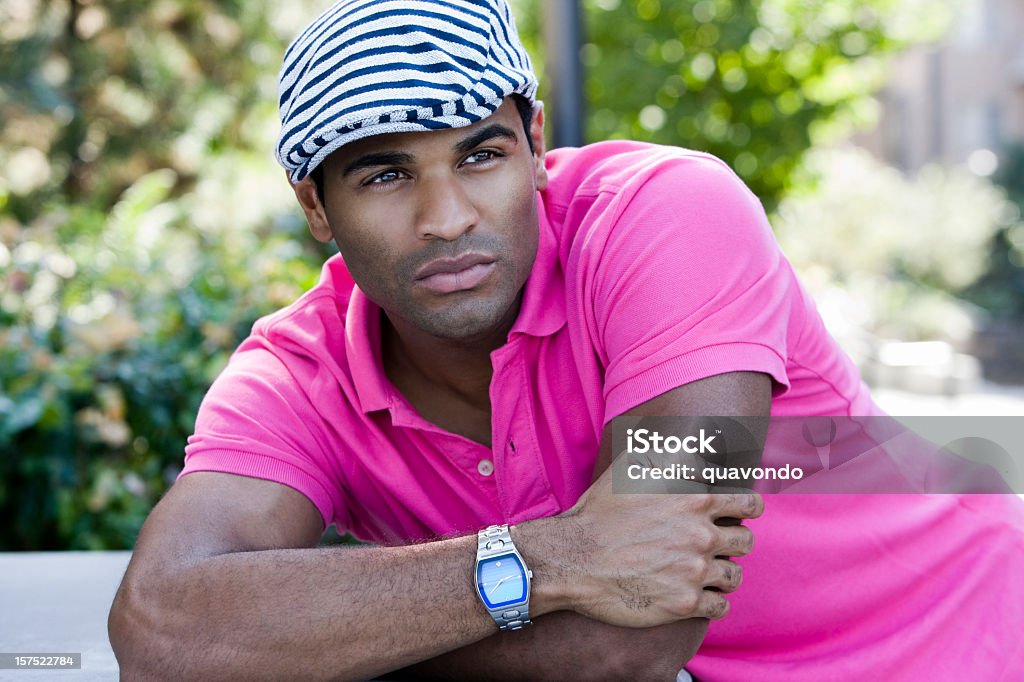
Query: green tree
(755, 82)
(143, 228)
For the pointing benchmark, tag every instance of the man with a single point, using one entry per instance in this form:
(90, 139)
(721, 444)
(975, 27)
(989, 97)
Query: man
(446, 392)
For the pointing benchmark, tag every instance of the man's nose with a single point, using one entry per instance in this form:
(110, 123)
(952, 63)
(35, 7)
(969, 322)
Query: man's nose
(445, 210)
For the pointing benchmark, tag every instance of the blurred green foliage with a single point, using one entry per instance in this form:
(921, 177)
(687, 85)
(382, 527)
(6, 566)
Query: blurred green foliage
(143, 228)
(753, 82)
(892, 255)
(143, 225)
(1001, 288)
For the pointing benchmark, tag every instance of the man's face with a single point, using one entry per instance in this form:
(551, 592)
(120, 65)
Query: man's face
(438, 228)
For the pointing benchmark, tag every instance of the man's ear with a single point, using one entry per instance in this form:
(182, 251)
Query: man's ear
(537, 135)
(309, 200)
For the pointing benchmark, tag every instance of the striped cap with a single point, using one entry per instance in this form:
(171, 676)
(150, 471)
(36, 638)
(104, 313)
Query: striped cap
(367, 67)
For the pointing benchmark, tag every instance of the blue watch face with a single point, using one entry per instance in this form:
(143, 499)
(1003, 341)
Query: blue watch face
(501, 581)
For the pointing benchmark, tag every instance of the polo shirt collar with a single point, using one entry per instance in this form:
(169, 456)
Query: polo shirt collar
(362, 345)
(542, 312)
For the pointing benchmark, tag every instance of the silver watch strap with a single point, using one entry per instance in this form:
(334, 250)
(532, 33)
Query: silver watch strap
(492, 541)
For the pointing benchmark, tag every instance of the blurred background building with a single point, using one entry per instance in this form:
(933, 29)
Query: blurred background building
(959, 101)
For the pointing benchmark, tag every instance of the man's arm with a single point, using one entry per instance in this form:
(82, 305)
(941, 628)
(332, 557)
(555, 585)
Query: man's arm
(226, 583)
(569, 646)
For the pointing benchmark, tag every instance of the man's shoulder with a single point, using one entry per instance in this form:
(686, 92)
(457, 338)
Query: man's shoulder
(617, 165)
(314, 323)
(610, 190)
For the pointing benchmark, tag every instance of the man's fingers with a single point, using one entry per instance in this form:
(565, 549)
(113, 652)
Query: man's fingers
(725, 575)
(711, 605)
(740, 505)
(734, 541)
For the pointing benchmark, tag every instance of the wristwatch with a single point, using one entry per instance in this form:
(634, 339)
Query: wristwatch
(502, 579)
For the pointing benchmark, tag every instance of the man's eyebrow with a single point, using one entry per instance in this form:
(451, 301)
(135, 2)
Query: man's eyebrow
(484, 134)
(378, 159)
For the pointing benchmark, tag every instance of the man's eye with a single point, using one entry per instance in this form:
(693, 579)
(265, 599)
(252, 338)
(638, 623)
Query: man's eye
(482, 155)
(385, 177)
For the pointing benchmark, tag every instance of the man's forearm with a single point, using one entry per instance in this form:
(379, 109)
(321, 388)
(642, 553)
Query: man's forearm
(570, 647)
(329, 613)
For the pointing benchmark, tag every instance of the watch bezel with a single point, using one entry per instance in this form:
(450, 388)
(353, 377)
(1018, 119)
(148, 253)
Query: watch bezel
(524, 578)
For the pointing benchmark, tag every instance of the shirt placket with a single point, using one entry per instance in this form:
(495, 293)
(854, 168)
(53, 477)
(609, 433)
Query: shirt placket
(467, 455)
(524, 491)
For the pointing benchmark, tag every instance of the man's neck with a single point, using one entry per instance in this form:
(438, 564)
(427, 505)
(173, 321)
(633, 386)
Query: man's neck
(459, 366)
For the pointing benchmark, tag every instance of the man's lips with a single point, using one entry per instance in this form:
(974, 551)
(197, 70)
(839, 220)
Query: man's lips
(447, 275)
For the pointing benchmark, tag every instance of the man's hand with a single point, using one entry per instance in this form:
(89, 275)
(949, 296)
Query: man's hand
(647, 560)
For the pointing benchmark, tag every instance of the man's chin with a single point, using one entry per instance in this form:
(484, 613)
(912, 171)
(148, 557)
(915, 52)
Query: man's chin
(466, 331)
(466, 324)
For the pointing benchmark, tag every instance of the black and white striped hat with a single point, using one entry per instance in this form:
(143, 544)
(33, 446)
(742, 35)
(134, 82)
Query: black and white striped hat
(366, 67)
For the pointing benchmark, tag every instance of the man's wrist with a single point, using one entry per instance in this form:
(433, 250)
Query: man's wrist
(551, 551)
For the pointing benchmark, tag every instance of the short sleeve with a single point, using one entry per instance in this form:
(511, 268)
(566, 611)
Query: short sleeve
(688, 283)
(256, 420)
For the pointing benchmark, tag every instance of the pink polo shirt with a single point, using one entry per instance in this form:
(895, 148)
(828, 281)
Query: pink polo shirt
(656, 267)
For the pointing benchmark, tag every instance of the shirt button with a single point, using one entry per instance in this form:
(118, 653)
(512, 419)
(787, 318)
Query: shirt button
(485, 467)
